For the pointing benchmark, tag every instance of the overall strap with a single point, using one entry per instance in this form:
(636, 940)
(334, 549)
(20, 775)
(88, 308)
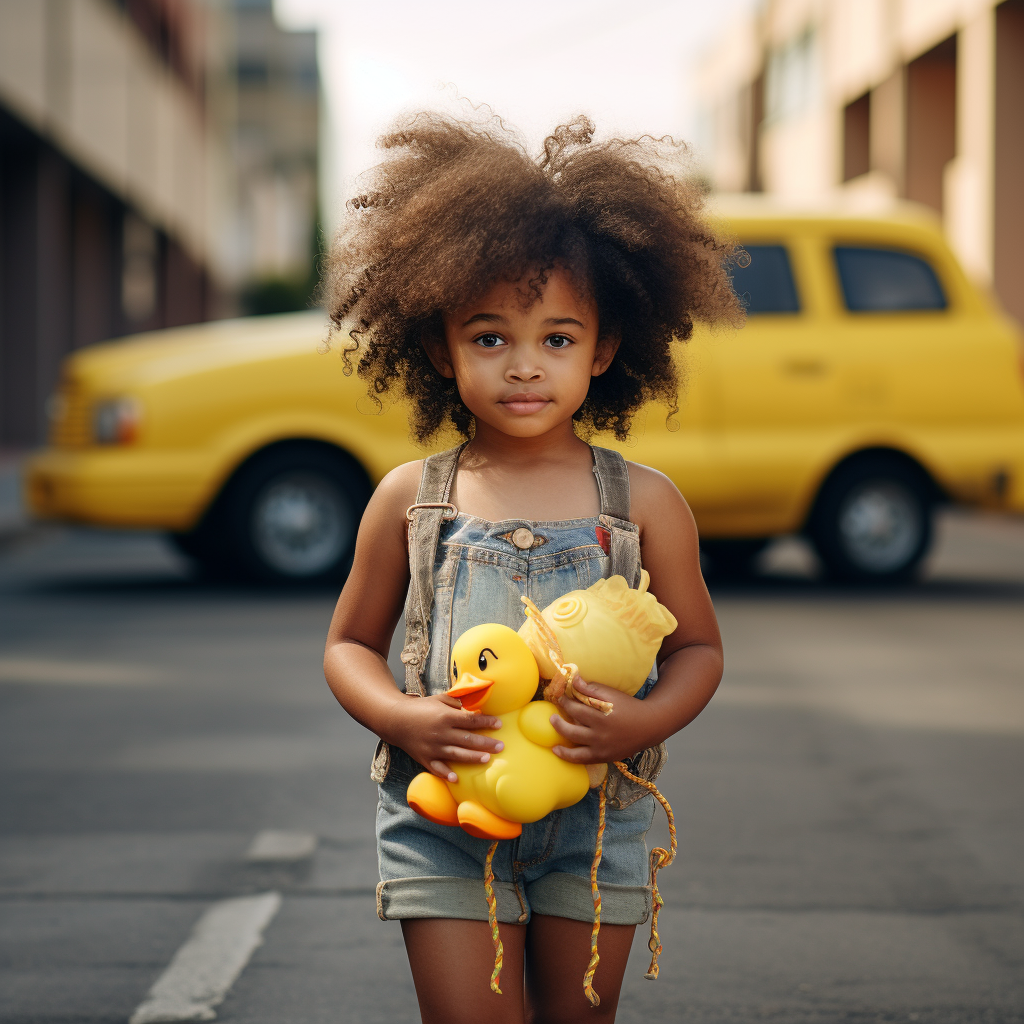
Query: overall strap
(432, 508)
(613, 485)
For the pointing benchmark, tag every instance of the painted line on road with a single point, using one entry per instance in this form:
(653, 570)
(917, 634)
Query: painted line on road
(50, 672)
(207, 965)
(278, 847)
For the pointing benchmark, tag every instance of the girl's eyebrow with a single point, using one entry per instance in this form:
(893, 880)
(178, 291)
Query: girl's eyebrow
(564, 320)
(488, 318)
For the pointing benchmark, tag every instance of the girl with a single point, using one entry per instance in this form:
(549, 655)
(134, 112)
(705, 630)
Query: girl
(522, 304)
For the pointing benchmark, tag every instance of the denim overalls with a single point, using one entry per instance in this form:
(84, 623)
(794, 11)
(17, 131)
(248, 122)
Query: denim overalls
(477, 573)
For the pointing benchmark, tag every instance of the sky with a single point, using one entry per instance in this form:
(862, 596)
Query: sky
(628, 64)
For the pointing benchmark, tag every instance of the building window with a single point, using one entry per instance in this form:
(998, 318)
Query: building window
(138, 270)
(791, 78)
(887, 281)
(765, 284)
(857, 137)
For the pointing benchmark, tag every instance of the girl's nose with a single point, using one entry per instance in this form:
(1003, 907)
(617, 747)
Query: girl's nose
(523, 373)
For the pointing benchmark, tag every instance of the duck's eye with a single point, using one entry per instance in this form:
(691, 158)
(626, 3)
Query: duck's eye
(482, 660)
(455, 670)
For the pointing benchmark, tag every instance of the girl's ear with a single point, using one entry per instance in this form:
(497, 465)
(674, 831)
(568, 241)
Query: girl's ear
(604, 353)
(436, 347)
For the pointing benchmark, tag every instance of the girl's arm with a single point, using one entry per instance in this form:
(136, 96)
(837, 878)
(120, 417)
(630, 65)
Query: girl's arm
(432, 730)
(690, 661)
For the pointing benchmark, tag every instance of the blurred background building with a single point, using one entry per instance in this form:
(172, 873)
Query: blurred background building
(158, 166)
(875, 99)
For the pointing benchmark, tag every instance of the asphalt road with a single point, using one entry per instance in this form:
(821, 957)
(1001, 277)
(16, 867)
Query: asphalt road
(850, 805)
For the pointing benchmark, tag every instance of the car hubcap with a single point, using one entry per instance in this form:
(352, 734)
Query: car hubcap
(301, 524)
(880, 526)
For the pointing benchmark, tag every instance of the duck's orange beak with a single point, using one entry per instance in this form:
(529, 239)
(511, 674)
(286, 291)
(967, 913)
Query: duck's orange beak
(472, 691)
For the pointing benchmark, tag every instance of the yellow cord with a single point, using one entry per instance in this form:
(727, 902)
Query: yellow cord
(588, 978)
(492, 916)
(660, 858)
(567, 671)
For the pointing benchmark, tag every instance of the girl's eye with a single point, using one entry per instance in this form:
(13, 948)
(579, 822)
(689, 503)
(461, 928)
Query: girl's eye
(558, 341)
(489, 341)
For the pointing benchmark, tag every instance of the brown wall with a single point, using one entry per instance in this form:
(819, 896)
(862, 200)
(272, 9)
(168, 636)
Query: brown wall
(61, 266)
(1009, 157)
(931, 122)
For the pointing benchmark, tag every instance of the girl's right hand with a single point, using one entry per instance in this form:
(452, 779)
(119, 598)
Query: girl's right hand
(435, 730)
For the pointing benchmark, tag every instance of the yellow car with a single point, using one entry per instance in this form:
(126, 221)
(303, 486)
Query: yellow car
(871, 382)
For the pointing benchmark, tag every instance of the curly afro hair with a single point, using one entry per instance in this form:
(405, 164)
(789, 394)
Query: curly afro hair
(458, 206)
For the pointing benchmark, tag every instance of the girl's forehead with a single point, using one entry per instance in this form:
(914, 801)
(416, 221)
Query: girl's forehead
(560, 291)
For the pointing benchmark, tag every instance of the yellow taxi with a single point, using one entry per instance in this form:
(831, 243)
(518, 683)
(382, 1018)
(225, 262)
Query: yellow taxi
(871, 382)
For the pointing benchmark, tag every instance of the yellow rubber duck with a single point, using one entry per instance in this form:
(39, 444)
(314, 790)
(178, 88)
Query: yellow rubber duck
(495, 673)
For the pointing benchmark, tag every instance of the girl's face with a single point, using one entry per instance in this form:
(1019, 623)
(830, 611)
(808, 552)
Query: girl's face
(524, 370)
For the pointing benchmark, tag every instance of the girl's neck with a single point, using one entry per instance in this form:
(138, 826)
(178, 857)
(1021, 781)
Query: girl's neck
(494, 447)
(544, 478)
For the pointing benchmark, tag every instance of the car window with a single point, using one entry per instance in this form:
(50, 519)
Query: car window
(886, 281)
(765, 284)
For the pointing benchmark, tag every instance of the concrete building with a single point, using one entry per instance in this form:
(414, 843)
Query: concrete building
(868, 99)
(125, 176)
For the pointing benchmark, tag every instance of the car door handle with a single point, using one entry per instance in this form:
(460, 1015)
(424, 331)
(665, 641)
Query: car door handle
(805, 367)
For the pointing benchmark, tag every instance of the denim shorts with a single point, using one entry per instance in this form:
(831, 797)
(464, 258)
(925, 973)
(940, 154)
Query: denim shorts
(430, 870)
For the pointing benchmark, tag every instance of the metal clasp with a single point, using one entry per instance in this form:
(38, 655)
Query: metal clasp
(450, 513)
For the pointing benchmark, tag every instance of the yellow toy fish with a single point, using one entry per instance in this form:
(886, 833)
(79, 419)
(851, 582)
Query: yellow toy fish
(496, 674)
(609, 633)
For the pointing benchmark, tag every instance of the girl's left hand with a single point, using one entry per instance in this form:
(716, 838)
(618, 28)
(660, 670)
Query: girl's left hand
(598, 737)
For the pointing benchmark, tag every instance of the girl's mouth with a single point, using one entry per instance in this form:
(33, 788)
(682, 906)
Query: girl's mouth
(525, 403)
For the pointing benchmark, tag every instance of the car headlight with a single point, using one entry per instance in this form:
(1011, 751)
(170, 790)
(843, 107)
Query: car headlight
(116, 421)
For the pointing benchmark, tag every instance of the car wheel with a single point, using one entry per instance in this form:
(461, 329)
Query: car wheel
(732, 559)
(873, 522)
(292, 515)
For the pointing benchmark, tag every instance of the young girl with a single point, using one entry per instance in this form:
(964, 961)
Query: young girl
(522, 304)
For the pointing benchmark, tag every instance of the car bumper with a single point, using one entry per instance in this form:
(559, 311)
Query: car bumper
(116, 487)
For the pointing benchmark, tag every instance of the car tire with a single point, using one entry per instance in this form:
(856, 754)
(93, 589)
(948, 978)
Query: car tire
(291, 514)
(873, 521)
(734, 558)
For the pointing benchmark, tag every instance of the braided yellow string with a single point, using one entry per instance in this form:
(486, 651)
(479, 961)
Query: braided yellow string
(492, 916)
(660, 858)
(567, 671)
(588, 978)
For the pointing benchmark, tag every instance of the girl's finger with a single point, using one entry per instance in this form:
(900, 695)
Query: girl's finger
(577, 755)
(465, 754)
(442, 771)
(580, 713)
(570, 730)
(469, 720)
(472, 739)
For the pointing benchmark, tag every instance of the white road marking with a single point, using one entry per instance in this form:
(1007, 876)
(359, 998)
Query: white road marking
(206, 966)
(272, 845)
(75, 673)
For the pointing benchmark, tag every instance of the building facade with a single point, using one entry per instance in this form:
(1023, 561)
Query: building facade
(876, 99)
(122, 185)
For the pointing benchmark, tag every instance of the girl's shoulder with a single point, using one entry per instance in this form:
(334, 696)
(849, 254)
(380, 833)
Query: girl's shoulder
(653, 497)
(398, 489)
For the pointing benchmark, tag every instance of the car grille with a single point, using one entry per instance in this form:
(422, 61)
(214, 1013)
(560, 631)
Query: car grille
(70, 425)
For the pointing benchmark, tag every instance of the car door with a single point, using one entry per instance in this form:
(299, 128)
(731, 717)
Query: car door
(775, 384)
(929, 368)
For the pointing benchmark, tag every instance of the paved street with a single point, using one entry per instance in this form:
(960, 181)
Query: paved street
(850, 805)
